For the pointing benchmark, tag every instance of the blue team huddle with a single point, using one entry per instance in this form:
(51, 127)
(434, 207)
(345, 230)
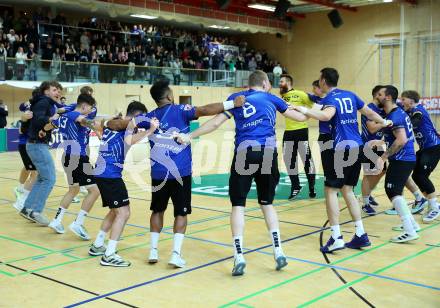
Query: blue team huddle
(385, 146)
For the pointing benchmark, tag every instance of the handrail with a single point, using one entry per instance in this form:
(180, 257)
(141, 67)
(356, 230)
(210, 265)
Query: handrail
(124, 65)
(111, 31)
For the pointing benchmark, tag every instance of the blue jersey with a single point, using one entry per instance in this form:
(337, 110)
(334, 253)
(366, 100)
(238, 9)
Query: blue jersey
(366, 135)
(324, 126)
(111, 156)
(425, 132)
(255, 120)
(345, 127)
(400, 120)
(169, 159)
(90, 116)
(75, 136)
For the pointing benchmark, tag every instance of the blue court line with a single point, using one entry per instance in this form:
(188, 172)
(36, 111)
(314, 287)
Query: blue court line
(283, 221)
(197, 267)
(322, 264)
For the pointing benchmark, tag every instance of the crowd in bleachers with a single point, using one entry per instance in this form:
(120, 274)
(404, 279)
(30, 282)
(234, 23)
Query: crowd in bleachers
(144, 50)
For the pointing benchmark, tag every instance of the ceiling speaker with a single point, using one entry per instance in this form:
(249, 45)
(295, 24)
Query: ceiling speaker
(335, 18)
(223, 4)
(281, 8)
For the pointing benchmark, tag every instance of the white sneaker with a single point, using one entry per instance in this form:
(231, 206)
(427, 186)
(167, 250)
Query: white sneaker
(239, 266)
(176, 260)
(430, 216)
(114, 260)
(154, 256)
(19, 204)
(404, 237)
(80, 231)
(57, 226)
(83, 191)
(76, 200)
(400, 228)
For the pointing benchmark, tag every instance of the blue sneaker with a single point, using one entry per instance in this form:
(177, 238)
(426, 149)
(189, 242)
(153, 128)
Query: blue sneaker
(359, 242)
(368, 210)
(333, 245)
(391, 211)
(419, 206)
(373, 202)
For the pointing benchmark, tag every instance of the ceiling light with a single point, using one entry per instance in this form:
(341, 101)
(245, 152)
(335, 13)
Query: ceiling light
(143, 16)
(386, 1)
(219, 27)
(264, 7)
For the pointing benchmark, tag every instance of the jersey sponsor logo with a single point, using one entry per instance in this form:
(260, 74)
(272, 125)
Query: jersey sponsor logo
(253, 123)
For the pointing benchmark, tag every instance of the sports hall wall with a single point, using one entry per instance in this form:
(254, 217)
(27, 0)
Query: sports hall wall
(113, 98)
(354, 50)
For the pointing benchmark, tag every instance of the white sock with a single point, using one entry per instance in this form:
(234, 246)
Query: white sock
(418, 195)
(276, 241)
(414, 223)
(405, 215)
(60, 214)
(80, 218)
(100, 238)
(359, 226)
(177, 242)
(26, 192)
(336, 231)
(111, 247)
(238, 246)
(366, 199)
(433, 204)
(20, 187)
(154, 240)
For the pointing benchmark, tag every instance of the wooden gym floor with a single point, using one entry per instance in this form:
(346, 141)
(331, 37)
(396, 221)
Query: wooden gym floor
(43, 269)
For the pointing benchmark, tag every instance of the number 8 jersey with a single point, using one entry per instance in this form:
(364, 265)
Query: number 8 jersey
(255, 120)
(400, 120)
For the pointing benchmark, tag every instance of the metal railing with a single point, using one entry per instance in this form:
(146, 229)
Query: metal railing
(40, 70)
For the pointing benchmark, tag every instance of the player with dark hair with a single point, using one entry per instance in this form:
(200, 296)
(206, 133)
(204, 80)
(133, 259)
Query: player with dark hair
(171, 162)
(108, 175)
(74, 126)
(296, 140)
(400, 154)
(340, 107)
(428, 155)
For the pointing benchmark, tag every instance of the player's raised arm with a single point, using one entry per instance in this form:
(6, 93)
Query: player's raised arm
(206, 128)
(134, 135)
(326, 114)
(373, 116)
(216, 108)
(295, 115)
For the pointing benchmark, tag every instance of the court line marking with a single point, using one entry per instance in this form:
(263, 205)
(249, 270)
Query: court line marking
(400, 261)
(71, 286)
(313, 271)
(327, 265)
(25, 243)
(166, 228)
(126, 248)
(339, 275)
(207, 265)
(6, 273)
